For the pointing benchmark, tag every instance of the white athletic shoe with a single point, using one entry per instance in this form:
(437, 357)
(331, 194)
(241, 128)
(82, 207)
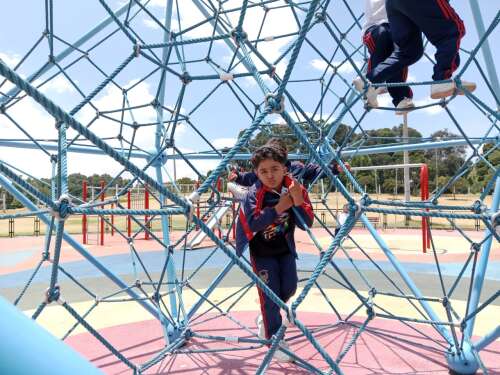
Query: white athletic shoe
(371, 93)
(282, 356)
(469, 86)
(260, 327)
(443, 90)
(406, 105)
(239, 192)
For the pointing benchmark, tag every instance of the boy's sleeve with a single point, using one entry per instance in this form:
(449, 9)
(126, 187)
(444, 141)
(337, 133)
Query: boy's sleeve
(246, 178)
(257, 220)
(314, 171)
(305, 211)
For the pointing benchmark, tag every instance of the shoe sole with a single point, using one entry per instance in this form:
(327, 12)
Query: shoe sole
(469, 88)
(404, 111)
(443, 94)
(451, 91)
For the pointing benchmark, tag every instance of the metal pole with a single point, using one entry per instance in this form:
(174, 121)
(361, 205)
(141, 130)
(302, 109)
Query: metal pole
(485, 48)
(129, 220)
(146, 217)
(84, 217)
(102, 216)
(171, 273)
(477, 285)
(406, 169)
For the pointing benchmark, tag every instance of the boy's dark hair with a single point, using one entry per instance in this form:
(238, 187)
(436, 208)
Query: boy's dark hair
(277, 143)
(268, 152)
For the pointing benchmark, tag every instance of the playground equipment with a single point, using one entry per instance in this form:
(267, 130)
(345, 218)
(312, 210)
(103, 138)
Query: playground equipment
(137, 198)
(424, 191)
(170, 61)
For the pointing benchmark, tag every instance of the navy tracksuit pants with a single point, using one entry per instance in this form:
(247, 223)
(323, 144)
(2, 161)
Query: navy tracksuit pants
(408, 19)
(379, 42)
(280, 275)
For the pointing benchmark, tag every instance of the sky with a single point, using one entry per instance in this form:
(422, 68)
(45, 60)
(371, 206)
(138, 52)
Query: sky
(218, 117)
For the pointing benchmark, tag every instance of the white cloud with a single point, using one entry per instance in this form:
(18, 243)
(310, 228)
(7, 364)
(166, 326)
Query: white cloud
(58, 85)
(10, 59)
(149, 23)
(433, 110)
(411, 78)
(40, 125)
(345, 68)
(223, 142)
(384, 100)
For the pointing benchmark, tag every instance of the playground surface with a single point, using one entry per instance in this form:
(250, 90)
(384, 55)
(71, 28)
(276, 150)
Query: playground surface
(399, 349)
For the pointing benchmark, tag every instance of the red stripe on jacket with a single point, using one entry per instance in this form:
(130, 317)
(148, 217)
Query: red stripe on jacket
(244, 224)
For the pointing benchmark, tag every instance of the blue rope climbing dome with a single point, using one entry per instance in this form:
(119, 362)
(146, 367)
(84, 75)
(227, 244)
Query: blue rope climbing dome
(183, 69)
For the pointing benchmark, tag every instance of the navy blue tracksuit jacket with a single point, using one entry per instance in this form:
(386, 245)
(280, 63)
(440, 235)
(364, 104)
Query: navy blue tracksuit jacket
(408, 19)
(258, 220)
(379, 42)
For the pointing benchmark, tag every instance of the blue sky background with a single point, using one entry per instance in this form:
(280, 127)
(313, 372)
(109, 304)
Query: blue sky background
(221, 117)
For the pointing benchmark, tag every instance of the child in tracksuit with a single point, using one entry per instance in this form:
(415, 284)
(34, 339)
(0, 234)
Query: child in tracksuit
(442, 27)
(378, 40)
(267, 224)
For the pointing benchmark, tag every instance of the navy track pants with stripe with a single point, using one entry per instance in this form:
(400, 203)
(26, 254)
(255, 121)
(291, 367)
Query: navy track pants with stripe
(408, 19)
(379, 42)
(280, 275)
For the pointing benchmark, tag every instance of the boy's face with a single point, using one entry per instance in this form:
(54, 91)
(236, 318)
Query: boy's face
(271, 173)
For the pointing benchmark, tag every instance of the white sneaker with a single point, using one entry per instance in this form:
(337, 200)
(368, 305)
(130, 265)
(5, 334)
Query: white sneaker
(443, 90)
(260, 327)
(382, 90)
(282, 356)
(405, 106)
(371, 93)
(239, 192)
(469, 86)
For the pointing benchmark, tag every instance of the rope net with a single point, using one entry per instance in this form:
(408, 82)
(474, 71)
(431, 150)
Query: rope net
(145, 84)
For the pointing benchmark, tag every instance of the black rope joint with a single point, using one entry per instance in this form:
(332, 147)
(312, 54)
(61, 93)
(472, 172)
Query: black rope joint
(365, 200)
(276, 106)
(62, 207)
(446, 301)
(272, 71)
(475, 247)
(186, 78)
(238, 36)
(320, 17)
(52, 294)
(137, 50)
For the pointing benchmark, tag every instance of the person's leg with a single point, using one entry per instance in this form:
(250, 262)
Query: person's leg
(267, 269)
(381, 38)
(443, 27)
(288, 276)
(408, 45)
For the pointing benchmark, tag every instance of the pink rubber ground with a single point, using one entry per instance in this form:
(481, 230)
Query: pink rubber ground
(388, 347)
